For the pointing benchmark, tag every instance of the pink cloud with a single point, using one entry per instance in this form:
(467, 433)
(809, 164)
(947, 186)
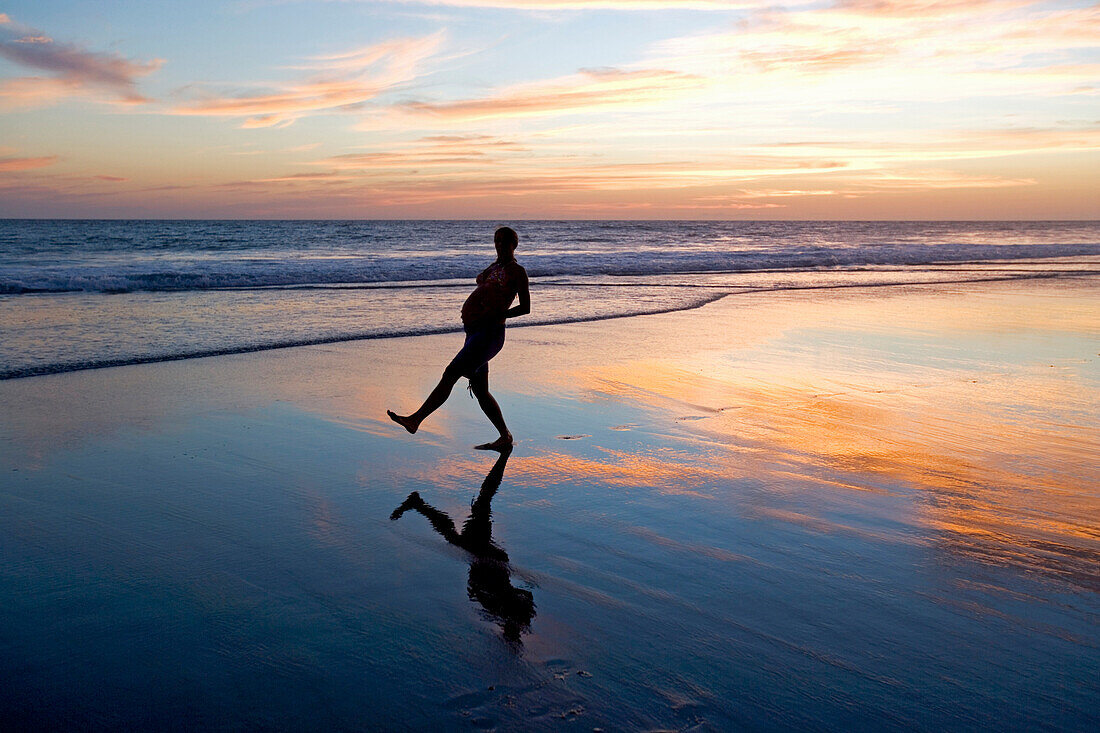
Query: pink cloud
(73, 70)
(35, 91)
(342, 82)
(425, 173)
(585, 90)
(8, 165)
(951, 145)
(927, 8)
(433, 151)
(594, 4)
(893, 50)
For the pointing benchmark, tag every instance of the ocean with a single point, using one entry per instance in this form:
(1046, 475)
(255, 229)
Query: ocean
(85, 294)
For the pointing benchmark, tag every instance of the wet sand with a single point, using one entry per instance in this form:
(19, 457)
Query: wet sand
(873, 508)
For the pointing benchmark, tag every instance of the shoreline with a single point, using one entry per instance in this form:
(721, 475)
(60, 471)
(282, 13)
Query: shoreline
(48, 370)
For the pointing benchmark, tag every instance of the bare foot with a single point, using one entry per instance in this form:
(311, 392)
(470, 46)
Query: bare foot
(406, 422)
(503, 443)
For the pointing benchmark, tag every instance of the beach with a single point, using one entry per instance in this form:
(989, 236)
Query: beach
(830, 508)
(790, 313)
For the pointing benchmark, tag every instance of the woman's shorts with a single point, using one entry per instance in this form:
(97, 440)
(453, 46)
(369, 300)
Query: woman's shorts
(482, 344)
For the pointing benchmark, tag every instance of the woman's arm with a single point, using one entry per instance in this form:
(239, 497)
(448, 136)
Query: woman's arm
(524, 293)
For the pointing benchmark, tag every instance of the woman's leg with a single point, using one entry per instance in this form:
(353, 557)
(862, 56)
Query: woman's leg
(479, 385)
(434, 401)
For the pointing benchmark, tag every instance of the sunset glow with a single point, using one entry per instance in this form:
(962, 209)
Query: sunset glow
(845, 109)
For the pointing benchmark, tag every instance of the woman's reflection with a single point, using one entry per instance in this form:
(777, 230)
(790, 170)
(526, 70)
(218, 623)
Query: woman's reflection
(490, 582)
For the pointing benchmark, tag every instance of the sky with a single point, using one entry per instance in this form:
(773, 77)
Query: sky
(550, 109)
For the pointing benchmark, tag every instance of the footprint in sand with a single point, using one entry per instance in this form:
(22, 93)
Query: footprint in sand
(572, 437)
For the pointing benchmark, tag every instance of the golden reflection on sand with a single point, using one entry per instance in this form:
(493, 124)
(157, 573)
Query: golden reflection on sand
(661, 470)
(1001, 452)
(664, 471)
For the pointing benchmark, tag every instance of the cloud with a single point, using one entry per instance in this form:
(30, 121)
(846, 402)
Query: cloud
(9, 165)
(29, 92)
(456, 166)
(928, 179)
(323, 176)
(704, 203)
(446, 168)
(341, 82)
(916, 146)
(593, 4)
(588, 89)
(449, 171)
(73, 70)
(896, 50)
(925, 8)
(437, 153)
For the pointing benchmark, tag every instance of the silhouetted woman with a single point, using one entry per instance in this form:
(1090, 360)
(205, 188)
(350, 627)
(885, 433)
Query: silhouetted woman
(490, 580)
(483, 316)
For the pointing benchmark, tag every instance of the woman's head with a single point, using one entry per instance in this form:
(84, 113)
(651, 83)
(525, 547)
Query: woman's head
(506, 240)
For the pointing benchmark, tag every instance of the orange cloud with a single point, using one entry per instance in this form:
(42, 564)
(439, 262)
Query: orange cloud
(439, 168)
(342, 82)
(418, 177)
(468, 161)
(429, 149)
(698, 203)
(328, 176)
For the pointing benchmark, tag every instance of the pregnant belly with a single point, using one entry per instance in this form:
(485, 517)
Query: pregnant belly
(485, 304)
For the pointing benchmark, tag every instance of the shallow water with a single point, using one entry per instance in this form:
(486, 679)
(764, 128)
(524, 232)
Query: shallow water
(86, 294)
(872, 509)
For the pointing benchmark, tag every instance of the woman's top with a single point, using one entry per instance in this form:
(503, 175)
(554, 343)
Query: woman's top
(497, 287)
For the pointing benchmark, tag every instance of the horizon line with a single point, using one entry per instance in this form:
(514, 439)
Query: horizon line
(479, 219)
